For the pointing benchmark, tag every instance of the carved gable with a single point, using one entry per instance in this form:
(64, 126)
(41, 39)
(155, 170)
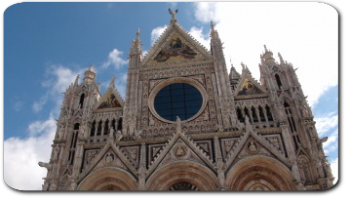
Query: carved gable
(175, 46)
(248, 87)
(110, 100)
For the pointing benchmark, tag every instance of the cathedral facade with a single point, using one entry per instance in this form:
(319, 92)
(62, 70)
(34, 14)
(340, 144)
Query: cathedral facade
(188, 124)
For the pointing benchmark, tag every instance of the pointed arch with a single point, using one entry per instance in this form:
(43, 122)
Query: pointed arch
(261, 114)
(259, 173)
(183, 171)
(278, 80)
(239, 114)
(110, 178)
(305, 169)
(93, 128)
(81, 100)
(268, 113)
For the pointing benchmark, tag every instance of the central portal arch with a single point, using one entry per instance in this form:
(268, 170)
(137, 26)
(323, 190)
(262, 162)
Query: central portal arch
(183, 175)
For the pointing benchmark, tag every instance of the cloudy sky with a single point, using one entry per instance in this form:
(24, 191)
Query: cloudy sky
(47, 44)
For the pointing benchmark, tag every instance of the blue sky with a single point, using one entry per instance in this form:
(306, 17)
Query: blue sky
(47, 44)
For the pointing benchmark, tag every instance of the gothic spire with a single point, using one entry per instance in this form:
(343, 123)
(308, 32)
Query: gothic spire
(76, 80)
(245, 68)
(136, 45)
(233, 73)
(281, 59)
(213, 33)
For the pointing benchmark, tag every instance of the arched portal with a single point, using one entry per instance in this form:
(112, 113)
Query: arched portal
(107, 179)
(259, 173)
(183, 175)
(183, 186)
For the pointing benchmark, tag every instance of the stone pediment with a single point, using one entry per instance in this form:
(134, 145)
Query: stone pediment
(175, 46)
(109, 156)
(180, 147)
(111, 100)
(249, 88)
(249, 144)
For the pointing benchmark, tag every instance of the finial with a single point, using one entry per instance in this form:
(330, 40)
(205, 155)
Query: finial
(281, 59)
(92, 68)
(265, 48)
(111, 84)
(243, 66)
(138, 33)
(173, 13)
(212, 25)
(76, 80)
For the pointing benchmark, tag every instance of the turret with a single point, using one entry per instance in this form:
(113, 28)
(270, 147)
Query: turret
(90, 75)
(131, 97)
(267, 58)
(225, 95)
(219, 63)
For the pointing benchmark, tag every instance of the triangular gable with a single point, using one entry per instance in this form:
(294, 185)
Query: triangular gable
(180, 147)
(256, 144)
(175, 45)
(109, 156)
(110, 100)
(249, 88)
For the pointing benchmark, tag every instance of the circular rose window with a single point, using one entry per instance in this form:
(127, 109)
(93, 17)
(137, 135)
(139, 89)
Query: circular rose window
(179, 99)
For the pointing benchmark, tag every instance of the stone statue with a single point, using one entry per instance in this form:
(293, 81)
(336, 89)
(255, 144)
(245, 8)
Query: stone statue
(252, 146)
(246, 120)
(111, 131)
(109, 158)
(180, 151)
(48, 166)
(56, 152)
(119, 135)
(173, 13)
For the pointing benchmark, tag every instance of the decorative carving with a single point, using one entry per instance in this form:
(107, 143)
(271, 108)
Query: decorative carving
(173, 13)
(180, 150)
(109, 158)
(252, 147)
(55, 154)
(48, 166)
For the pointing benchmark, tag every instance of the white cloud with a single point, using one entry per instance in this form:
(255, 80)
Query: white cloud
(206, 11)
(38, 128)
(58, 79)
(27, 152)
(202, 38)
(114, 59)
(38, 105)
(331, 144)
(334, 167)
(308, 39)
(156, 32)
(21, 156)
(326, 122)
